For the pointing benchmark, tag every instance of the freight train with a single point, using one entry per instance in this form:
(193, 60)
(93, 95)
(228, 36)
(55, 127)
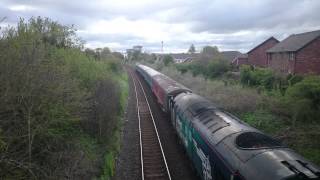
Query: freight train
(221, 146)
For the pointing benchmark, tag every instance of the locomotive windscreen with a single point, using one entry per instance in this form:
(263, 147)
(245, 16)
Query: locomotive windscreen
(197, 108)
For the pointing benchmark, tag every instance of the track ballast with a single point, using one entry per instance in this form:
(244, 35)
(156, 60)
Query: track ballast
(153, 160)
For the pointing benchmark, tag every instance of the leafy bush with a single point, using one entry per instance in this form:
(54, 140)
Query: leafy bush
(264, 120)
(214, 69)
(196, 69)
(261, 77)
(49, 89)
(183, 68)
(293, 79)
(217, 68)
(304, 99)
(167, 59)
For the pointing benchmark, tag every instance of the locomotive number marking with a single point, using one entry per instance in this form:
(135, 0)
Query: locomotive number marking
(206, 167)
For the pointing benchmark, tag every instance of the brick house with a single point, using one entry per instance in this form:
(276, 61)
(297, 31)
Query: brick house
(297, 54)
(240, 60)
(258, 56)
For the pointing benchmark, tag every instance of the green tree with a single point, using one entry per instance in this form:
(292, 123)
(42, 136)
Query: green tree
(217, 68)
(118, 55)
(210, 50)
(209, 53)
(105, 52)
(304, 99)
(192, 49)
(49, 90)
(167, 59)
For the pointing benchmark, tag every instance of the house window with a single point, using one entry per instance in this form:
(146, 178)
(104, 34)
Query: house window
(291, 56)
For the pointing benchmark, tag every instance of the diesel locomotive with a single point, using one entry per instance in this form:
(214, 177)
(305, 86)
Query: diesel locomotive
(221, 146)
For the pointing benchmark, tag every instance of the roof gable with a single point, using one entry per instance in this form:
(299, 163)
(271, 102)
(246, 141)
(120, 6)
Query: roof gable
(295, 42)
(271, 38)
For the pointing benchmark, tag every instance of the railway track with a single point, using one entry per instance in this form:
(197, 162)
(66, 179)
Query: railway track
(153, 160)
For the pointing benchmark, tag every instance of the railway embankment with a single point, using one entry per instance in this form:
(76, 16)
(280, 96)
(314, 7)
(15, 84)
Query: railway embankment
(56, 119)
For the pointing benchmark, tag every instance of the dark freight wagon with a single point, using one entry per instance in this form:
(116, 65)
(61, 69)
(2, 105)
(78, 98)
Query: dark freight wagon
(147, 73)
(165, 89)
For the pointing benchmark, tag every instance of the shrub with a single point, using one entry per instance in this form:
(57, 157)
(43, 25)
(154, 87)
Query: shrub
(167, 59)
(293, 79)
(196, 69)
(304, 99)
(182, 68)
(263, 78)
(47, 88)
(245, 76)
(216, 68)
(264, 121)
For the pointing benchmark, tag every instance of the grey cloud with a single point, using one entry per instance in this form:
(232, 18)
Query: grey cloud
(93, 9)
(223, 18)
(122, 39)
(232, 16)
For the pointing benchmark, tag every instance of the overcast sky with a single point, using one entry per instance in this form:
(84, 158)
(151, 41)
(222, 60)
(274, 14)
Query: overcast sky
(120, 24)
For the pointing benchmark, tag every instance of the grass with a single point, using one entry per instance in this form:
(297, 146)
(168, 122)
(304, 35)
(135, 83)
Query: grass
(108, 170)
(114, 142)
(89, 146)
(265, 121)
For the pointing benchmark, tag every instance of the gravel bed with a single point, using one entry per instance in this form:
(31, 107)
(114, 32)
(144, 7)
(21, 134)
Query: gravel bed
(128, 162)
(178, 162)
(128, 165)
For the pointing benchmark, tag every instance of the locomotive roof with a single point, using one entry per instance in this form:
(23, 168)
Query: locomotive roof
(149, 70)
(186, 99)
(242, 146)
(280, 163)
(214, 123)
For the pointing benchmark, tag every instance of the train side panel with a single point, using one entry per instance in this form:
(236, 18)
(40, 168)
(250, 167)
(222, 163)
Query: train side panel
(206, 162)
(158, 91)
(147, 76)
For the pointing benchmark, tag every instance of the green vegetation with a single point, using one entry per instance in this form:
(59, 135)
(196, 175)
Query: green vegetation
(284, 106)
(114, 141)
(56, 119)
(305, 99)
(213, 69)
(167, 59)
(211, 64)
(192, 49)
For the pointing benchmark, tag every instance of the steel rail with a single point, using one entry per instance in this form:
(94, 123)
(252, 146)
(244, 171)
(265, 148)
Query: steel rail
(140, 137)
(135, 78)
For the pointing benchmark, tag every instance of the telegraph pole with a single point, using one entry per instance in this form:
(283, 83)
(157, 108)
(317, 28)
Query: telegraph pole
(162, 47)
